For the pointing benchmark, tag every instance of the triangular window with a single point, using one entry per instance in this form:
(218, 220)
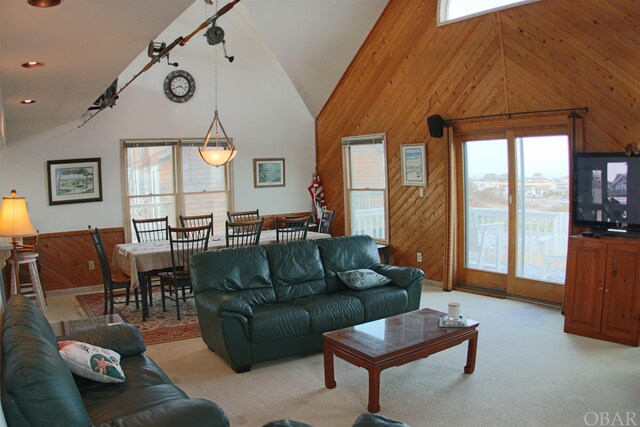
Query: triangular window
(457, 10)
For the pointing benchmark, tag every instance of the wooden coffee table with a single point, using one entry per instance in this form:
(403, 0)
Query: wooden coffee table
(68, 327)
(394, 341)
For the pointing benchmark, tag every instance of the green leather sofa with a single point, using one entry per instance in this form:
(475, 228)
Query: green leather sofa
(267, 302)
(38, 389)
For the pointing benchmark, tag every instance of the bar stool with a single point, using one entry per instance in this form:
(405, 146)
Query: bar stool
(34, 288)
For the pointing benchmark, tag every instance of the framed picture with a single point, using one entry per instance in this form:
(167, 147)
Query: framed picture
(74, 181)
(414, 164)
(268, 173)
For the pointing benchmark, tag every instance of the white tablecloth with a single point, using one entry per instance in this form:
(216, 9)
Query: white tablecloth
(133, 258)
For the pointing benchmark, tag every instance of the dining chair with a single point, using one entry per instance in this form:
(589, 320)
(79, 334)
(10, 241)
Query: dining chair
(326, 221)
(243, 216)
(243, 233)
(184, 242)
(196, 220)
(113, 281)
(290, 229)
(148, 230)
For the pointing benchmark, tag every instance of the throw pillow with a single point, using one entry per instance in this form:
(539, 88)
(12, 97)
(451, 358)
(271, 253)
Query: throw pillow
(92, 362)
(363, 278)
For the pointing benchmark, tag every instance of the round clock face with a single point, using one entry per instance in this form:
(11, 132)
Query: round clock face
(179, 86)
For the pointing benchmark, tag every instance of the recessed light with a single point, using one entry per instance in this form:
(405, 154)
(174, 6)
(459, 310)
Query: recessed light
(33, 64)
(44, 3)
(28, 101)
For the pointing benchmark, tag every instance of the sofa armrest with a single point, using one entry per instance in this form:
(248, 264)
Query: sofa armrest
(230, 304)
(191, 412)
(122, 338)
(400, 276)
(224, 305)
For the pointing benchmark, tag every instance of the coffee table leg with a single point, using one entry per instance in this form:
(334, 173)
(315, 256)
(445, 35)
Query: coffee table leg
(329, 376)
(374, 390)
(471, 354)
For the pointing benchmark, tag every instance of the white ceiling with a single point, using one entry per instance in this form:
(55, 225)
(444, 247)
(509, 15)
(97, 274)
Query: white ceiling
(86, 44)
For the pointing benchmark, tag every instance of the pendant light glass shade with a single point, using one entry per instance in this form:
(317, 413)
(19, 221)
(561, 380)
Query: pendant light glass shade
(221, 150)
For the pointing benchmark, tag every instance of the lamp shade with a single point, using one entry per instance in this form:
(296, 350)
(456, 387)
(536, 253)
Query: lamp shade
(221, 151)
(14, 218)
(217, 156)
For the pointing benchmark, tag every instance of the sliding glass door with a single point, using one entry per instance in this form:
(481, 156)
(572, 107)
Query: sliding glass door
(514, 226)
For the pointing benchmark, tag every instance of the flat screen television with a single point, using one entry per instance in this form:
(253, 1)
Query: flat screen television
(606, 191)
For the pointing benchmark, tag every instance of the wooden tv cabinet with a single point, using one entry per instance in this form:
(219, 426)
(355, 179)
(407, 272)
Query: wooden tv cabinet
(603, 289)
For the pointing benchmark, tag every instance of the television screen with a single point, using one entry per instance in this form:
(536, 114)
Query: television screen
(606, 192)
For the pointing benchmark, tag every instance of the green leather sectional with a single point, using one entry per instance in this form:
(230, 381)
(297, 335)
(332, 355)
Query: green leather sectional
(39, 390)
(267, 302)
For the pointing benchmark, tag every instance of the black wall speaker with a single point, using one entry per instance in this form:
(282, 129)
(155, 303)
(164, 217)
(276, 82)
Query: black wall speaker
(435, 124)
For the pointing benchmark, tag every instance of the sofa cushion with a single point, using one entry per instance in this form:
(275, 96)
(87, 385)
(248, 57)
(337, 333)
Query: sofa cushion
(243, 271)
(92, 362)
(123, 338)
(38, 388)
(331, 312)
(146, 386)
(362, 278)
(381, 302)
(296, 270)
(346, 253)
(277, 321)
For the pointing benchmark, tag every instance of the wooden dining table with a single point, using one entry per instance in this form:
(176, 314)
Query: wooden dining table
(144, 259)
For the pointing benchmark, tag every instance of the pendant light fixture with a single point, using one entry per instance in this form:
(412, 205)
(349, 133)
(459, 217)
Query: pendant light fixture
(217, 149)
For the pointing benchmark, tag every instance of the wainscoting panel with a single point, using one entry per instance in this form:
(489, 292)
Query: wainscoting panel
(64, 258)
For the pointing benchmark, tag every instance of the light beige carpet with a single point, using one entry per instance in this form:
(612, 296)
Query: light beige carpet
(528, 373)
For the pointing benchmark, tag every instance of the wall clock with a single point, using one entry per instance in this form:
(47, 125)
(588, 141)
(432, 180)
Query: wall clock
(179, 86)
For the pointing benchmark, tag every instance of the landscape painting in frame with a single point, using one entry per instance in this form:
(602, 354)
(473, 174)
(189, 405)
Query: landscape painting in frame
(414, 164)
(268, 173)
(74, 181)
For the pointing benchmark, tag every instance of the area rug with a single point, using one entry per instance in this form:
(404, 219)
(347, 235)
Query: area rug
(160, 326)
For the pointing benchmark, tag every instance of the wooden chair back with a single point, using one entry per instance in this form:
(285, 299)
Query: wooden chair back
(243, 216)
(197, 220)
(292, 229)
(148, 230)
(102, 257)
(326, 221)
(186, 241)
(243, 233)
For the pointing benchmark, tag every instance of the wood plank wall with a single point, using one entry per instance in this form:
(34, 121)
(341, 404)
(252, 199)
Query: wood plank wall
(64, 258)
(545, 55)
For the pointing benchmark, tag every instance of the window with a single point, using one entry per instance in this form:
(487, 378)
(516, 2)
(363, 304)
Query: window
(514, 211)
(457, 10)
(169, 178)
(365, 179)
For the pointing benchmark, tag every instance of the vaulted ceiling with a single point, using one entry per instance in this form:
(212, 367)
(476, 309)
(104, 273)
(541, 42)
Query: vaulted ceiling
(85, 45)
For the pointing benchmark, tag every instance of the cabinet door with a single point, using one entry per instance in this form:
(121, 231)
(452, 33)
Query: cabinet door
(622, 292)
(585, 286)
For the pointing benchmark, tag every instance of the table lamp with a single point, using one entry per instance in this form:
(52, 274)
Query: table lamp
(14, 223)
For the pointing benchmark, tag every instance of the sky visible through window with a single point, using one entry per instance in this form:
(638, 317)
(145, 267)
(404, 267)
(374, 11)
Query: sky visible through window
(550, 156)
(459, 8)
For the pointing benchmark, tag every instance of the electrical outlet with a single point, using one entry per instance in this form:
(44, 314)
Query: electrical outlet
(419, 256)
(92, 265)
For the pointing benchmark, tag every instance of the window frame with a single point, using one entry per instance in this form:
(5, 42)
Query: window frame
(443, 6)
(347, 142)
(177, 170)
